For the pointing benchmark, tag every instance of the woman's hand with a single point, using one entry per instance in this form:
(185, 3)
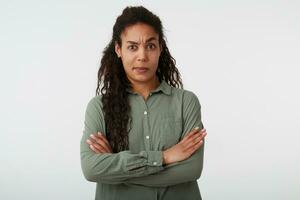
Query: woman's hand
(185, 148)
(99, 144)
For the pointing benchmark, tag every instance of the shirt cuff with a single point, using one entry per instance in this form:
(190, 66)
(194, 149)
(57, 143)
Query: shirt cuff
(150, 161)
(155, 158)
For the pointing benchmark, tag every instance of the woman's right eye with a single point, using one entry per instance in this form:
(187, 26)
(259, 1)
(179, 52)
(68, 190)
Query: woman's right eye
(131, 47)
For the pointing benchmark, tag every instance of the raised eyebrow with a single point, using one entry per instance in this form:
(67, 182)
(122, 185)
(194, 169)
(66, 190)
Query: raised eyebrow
(132, 42)
(148, 40)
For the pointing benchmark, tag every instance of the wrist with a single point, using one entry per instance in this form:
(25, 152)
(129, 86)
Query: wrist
(165, 158)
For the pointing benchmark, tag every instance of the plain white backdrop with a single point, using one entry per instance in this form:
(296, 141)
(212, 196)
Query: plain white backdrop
(241, 58)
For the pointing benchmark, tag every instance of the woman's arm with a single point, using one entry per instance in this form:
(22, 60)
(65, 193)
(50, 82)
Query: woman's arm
(113, 168)
(186, 170)
(175, 173)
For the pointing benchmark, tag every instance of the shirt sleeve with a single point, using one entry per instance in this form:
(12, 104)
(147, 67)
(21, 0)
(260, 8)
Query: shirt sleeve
(186, 170)
(112, 168)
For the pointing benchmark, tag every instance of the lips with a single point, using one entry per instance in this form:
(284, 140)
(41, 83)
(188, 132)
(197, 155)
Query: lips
(140, 69)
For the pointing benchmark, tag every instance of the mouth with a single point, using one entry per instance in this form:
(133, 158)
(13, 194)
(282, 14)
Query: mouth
(140, 69)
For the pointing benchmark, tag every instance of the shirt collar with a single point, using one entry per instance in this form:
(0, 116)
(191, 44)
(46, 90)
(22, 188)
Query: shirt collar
(163, 86)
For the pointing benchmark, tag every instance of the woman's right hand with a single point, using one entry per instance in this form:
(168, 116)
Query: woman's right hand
(185, 148)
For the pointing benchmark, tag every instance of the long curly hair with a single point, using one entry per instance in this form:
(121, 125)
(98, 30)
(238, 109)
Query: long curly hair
(113, 82)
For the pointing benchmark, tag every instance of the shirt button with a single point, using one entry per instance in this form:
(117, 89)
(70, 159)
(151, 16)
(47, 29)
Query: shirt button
(147, 137)
(145, 112)
(154, 163)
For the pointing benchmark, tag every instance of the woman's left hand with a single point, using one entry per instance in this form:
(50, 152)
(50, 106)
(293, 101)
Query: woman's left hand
(99, 144)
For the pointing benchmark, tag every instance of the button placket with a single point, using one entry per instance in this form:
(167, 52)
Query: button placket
(146, 127)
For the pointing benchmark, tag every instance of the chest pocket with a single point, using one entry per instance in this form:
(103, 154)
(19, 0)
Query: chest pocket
(170, 132)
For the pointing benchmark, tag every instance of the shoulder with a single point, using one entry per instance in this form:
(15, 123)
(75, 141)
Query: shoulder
(94, 117)
(187, 96)
(95, 103)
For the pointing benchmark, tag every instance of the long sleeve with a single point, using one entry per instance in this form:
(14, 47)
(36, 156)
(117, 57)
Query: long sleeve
(186, 170)
(112, 168)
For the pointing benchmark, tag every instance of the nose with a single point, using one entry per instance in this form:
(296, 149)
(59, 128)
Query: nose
(142, 55)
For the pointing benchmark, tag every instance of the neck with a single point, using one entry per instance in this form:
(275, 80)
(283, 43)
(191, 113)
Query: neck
(144, 88)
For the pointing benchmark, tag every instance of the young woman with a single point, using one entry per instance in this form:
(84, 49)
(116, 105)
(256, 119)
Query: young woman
(143, 137)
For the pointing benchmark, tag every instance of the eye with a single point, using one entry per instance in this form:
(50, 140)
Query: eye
(132, 47)
(151, 46)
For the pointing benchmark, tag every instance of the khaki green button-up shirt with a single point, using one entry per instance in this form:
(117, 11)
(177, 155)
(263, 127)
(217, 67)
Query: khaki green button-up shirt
(158, 123)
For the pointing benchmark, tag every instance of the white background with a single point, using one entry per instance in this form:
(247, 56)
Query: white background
(241, 58)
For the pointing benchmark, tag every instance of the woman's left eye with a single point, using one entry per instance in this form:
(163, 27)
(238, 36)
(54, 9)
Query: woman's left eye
(151, 46)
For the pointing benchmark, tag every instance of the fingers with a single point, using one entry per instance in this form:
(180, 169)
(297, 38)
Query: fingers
(103, 138)
(105, 141)
(195, 139)
(100, 143)
(190, 134)
(196, 144)
(201, 135)
(194, 133)
(95, 146)
(94, 149)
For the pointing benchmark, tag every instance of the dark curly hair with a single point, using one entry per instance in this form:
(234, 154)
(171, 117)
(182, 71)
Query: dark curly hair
(112, 75)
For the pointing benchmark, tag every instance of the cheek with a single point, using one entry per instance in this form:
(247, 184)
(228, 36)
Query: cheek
(127, 61)
(155, 58)
(127, 67)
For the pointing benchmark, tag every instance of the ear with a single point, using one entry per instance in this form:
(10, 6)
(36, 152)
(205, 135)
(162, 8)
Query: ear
(117, 49)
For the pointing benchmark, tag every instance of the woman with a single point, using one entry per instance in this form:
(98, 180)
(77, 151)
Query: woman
(143, 136)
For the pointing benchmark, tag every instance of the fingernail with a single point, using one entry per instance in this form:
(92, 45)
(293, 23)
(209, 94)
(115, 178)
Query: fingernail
(197, 127)
(92, 136)
(99, 133)
(88, 141)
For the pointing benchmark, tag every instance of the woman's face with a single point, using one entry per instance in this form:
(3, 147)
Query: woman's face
(139, 52)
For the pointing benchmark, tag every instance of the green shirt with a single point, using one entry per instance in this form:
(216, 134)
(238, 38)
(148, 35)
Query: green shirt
(158, 123)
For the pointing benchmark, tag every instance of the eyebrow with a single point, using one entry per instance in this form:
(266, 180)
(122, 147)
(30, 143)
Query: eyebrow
(148, 40)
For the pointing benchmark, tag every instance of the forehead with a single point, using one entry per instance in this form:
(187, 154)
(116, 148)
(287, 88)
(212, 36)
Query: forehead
(138, 32)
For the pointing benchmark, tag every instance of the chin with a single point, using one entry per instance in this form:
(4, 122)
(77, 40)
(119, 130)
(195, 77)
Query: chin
(142, 78)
